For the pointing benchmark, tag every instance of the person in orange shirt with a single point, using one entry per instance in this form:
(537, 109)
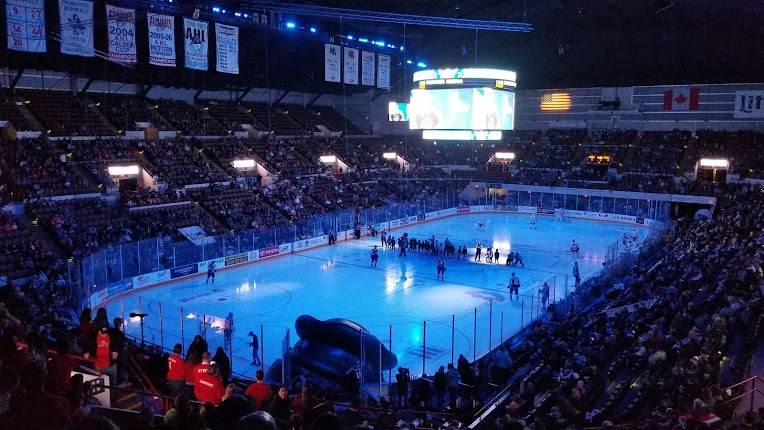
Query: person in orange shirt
(176, 371)
(258, 391)
(209, 387)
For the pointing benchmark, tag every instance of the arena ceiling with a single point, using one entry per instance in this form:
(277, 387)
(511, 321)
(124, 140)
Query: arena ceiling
(574, 43)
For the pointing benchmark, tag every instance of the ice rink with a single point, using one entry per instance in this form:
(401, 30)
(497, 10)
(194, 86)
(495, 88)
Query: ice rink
(396, 297)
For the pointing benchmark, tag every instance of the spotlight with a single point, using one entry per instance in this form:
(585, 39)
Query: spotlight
(291, 24)
(313, 29)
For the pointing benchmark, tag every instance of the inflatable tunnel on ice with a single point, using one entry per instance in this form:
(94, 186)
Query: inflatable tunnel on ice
(331, 348)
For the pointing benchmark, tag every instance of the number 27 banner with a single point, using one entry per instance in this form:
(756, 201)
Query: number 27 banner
(26, 25)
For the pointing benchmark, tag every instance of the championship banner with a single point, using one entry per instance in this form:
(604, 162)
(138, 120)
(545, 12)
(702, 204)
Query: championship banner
(227, 48)
(161, 39)
(332, 63)
(351, 66)
(26, 25)
(76, 27)
(195, 44)
(121, 26)
(749, 104)
(368, 68)
(383, 72)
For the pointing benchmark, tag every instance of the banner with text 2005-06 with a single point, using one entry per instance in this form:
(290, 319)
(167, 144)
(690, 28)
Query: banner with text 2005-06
(161, 39)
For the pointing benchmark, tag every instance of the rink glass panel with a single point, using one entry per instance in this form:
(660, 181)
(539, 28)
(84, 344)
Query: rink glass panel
(117, 264)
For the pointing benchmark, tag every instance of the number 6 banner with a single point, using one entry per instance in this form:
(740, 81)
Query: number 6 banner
(121, 26)
(26, 25)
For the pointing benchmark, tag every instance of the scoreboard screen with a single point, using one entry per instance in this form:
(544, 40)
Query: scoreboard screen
(480, 108)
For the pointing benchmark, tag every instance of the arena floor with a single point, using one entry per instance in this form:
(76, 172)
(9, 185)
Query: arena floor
(398, 295)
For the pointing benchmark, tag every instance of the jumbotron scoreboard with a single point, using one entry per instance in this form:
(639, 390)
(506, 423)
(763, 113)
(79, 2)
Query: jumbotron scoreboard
(462, 104)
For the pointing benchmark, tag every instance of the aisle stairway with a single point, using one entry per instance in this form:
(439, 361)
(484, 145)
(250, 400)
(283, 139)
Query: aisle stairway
(36, 124)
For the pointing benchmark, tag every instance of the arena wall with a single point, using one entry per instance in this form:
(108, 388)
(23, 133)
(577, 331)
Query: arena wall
(641, 108)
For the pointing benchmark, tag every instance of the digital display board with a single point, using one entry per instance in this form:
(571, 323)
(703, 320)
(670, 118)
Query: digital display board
(397, 112)
(461, 109)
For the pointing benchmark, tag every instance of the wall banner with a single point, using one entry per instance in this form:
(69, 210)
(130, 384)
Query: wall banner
(26, 25)
(121, 28)
(161, 39)
(196, 44)
(76, 27)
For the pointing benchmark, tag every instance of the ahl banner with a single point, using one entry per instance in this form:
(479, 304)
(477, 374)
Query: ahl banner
(749, 104)
(195, 44)
(121, 26)
(161, 39)
(351, 66)
(368, 68)
(26, 25)
(76, 27)
(383, 72)
(227, 44)
(332, 63)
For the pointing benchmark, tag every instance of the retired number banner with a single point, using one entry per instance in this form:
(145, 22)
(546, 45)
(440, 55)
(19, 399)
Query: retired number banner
(76, 27)
(368, 68)
(195, 44)
(26, 25)
(227, 44)
(121, 26)
(332, 63)
(351, 66)
(383, 71)
(161, 39)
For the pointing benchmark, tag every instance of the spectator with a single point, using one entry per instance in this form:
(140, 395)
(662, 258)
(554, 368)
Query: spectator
(259, 390)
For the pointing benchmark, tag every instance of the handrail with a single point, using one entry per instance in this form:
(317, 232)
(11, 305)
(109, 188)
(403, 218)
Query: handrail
(489, 407)
(24, 345)
(756, 390)
(745, 381)
(145, 380)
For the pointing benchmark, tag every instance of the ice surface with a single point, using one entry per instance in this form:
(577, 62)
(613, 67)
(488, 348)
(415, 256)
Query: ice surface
(398, 296)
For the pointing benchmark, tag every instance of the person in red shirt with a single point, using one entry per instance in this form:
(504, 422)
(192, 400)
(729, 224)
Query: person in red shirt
(209, 387)
(202, 368)
(258, 391)
(176, 371)
(191, 362)
(103, 355)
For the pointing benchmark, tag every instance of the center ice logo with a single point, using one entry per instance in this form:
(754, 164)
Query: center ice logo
(486, 296)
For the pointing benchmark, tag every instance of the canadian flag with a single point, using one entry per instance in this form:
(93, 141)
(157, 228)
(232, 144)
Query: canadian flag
(681, 98)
